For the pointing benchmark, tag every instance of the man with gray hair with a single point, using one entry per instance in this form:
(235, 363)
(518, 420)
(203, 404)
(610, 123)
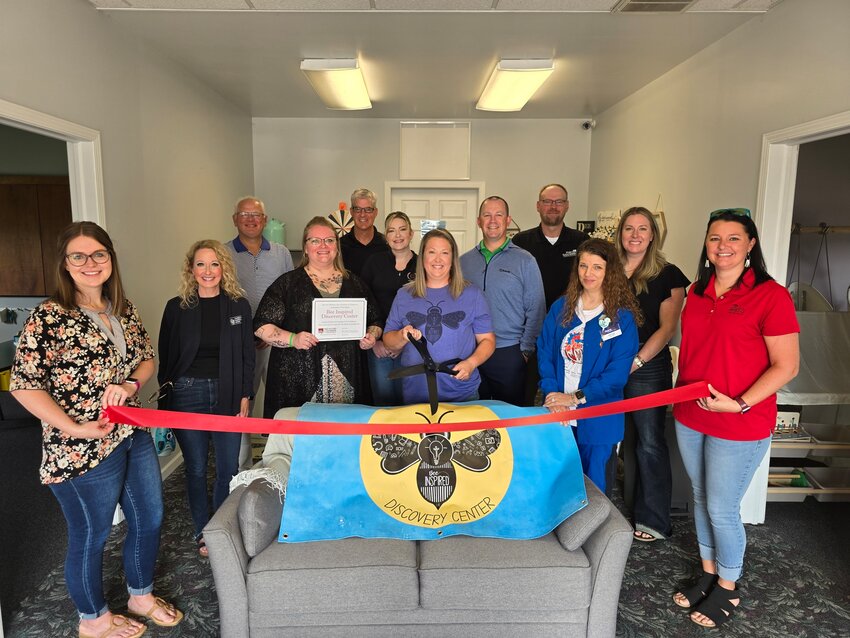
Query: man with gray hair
(511, 282)
(364, 240)
(259, 262)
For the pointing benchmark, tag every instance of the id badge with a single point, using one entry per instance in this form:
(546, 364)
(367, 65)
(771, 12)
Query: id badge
(611, 331)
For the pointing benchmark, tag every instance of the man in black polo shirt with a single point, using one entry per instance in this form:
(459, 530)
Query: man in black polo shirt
(363, 240)
(552, 243)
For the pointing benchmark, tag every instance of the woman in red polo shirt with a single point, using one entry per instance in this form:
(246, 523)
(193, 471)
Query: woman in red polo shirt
(739, 333)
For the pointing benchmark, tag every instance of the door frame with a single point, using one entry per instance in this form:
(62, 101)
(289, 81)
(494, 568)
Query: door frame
(777, 183)
(472, 226)
(85, 170)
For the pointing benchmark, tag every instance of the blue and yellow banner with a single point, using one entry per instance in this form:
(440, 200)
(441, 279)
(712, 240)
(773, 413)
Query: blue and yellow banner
(515, 483)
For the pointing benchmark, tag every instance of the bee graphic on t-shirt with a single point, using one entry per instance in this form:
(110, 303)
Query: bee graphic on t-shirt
(435, 320)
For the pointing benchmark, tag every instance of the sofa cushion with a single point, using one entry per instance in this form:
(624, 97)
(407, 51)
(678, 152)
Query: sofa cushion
(353, 574)
(574, 531)
(496, 574)
(259, 516)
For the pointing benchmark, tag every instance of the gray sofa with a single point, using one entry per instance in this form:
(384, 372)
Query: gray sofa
(564, 584)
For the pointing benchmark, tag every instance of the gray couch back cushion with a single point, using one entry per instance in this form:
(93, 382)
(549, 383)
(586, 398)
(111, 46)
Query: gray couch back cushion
(574, 531)
(259, 516)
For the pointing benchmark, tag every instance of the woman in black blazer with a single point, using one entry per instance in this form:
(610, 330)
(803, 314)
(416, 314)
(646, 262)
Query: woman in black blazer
(206, 366)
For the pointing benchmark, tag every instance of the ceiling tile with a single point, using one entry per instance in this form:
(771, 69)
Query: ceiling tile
(311, 5)
(556, 5)
(183, 5)
(433, 5)
(110, 4)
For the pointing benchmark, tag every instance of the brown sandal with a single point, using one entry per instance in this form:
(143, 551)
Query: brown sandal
(117, 624)
(159, 603)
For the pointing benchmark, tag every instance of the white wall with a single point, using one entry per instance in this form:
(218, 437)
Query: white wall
(695, 133)
(304, 167)
(175, 154)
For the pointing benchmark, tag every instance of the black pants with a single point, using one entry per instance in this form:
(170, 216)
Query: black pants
(503, 376)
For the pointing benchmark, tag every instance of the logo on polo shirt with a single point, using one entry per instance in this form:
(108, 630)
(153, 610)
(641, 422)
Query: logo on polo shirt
(735, 309)
(235, 321)
(570, 253)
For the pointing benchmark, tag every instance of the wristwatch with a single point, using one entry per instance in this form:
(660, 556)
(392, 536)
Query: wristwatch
(135, 382)
(744, 405)
(580, 398)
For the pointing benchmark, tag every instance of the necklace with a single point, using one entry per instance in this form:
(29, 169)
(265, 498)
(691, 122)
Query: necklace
(327, 283)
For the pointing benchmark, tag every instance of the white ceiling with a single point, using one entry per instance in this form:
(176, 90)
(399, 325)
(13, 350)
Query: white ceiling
(428, 58)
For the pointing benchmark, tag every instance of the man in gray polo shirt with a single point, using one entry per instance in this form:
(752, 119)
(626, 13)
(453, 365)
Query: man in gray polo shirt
(259, 263)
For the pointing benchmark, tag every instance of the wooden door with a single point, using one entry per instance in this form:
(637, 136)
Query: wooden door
(33, 211)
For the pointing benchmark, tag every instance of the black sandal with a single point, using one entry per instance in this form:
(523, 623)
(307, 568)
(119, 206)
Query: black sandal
(698, 591)
(717, 606)
(202, 547)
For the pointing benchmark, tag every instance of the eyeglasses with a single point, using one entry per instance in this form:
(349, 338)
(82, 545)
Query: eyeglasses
(368, 210)
(553, 202)
(249, 215)
(318, 241)
(739, 212)
(80, 259)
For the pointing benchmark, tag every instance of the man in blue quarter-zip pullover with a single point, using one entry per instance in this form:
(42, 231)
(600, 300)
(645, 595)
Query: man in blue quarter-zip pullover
(511, 281)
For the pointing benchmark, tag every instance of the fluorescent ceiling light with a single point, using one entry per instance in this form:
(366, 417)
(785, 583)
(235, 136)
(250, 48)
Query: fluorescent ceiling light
(512, 84)
(338, 83)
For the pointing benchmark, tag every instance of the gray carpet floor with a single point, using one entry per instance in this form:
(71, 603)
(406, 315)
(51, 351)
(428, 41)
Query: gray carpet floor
(796, 583)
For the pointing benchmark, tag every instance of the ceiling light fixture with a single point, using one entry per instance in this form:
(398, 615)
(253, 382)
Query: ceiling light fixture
(512, 84)
(339, 83)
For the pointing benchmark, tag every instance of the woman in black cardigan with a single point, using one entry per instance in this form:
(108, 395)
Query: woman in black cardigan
(206, 365)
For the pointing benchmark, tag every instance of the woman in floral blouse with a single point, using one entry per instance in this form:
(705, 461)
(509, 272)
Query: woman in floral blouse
(585, 352)
(82, 350)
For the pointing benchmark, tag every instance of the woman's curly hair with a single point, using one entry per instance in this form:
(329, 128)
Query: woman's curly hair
(616, 292)
(188, 291)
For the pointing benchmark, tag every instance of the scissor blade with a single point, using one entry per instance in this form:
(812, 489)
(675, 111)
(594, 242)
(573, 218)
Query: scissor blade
(407, 371)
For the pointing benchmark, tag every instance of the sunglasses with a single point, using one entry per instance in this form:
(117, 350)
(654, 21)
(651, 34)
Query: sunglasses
(739, 212)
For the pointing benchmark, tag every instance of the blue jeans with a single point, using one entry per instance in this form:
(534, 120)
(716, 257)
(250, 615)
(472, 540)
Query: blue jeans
(130, 476)
(503, 376)
(653, 479)
(720, 471)
(384, 391)
(201, 396)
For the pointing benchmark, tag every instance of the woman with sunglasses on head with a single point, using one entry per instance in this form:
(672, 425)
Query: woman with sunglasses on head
(303, 368)
(739, 333)
(660, 290)
(585, 351)
(206, 366)
(385, 273)
(81, 351)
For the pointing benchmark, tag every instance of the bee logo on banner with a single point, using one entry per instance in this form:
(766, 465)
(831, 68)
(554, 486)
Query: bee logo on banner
(437, 478)
(493, 482)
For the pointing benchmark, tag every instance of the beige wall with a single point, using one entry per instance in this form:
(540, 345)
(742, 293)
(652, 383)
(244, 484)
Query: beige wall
(175, 154)
(695, 134)
(303, 167)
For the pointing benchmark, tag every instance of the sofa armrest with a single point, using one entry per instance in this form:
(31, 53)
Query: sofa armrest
(229, 562)
(607, 550)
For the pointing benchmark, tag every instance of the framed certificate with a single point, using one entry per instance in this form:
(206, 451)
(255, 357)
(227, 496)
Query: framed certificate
(339, 319)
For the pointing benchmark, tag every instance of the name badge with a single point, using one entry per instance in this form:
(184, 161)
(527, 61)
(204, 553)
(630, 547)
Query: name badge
(235, 321)
(611, 331)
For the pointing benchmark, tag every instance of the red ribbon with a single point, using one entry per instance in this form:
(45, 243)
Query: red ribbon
(149, 418)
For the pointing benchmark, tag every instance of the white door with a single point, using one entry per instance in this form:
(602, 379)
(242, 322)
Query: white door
(456, 205)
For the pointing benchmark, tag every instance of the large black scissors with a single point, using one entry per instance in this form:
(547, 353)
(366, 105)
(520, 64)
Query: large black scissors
(428, 367)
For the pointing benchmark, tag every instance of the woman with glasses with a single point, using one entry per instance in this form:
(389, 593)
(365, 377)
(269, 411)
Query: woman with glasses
(660, 289)
(302, 367)
(81, 351)
(206, 366)
(450, 313)
(739, 333)
(585, 351)
(385, 273)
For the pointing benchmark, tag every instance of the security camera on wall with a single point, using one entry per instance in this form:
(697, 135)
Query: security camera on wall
(588, 125)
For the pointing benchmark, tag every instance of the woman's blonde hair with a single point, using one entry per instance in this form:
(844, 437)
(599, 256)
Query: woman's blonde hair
(322, 221)
(419, 287)
(188, 291)
(616, 292)
(653, 261)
